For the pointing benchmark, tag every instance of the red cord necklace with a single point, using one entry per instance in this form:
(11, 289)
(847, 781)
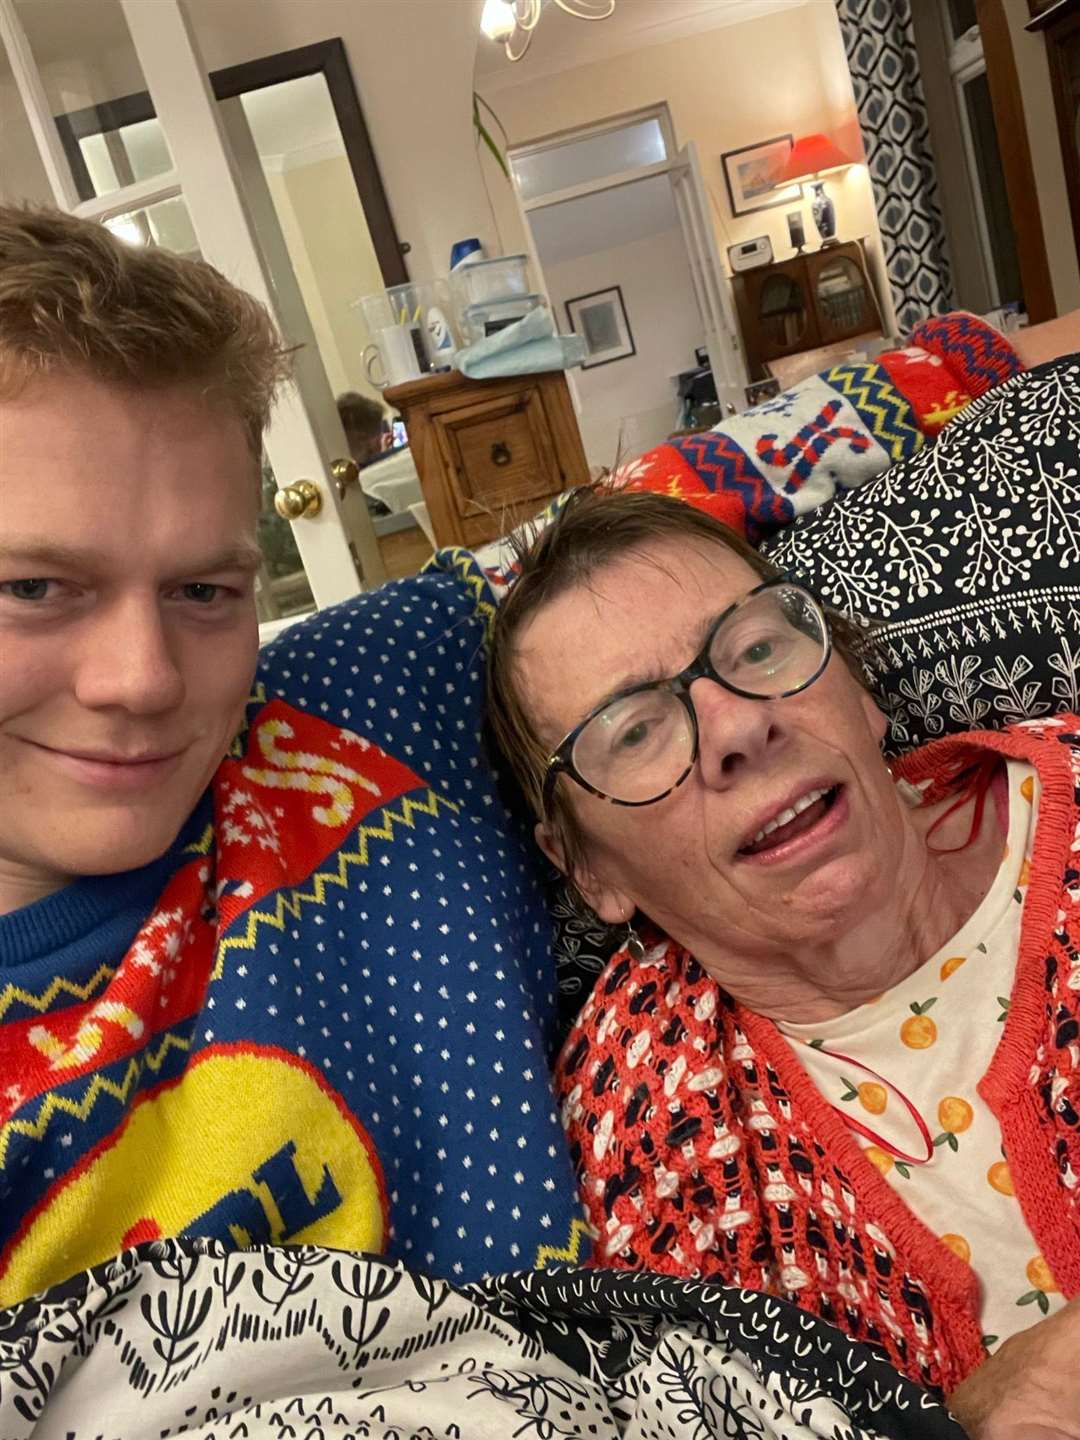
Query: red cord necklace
(864, 1130)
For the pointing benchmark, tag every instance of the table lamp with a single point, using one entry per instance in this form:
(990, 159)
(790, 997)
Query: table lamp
(810, 158)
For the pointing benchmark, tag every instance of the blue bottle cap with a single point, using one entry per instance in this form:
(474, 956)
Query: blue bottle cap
(461, 248)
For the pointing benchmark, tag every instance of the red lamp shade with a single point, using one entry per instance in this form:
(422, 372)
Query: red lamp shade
(812, 155)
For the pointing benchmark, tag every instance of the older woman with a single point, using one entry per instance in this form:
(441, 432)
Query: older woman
(837, 1061)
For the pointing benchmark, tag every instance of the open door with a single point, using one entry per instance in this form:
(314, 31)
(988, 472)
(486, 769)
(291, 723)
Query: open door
(190, 201)
(710, 284)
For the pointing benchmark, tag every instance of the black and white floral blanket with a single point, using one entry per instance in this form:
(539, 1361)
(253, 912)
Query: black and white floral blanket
(188, 1338)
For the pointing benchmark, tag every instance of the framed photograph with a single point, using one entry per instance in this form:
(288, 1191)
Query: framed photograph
(750, 175)
(600, 318)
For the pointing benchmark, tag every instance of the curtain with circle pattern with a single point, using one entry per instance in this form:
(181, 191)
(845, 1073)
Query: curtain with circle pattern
(880, 46)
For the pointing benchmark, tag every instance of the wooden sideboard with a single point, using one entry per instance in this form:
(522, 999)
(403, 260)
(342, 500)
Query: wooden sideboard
(805, 302)
(489, 453)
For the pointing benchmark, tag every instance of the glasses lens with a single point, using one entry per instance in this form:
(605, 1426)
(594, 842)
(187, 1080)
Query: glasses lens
(637, 748)
(774, 643)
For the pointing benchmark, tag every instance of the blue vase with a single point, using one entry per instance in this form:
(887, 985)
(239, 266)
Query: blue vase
(823, 211)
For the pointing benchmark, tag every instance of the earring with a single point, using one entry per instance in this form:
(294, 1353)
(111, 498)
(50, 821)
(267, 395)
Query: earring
(634, 947)
(910, 794)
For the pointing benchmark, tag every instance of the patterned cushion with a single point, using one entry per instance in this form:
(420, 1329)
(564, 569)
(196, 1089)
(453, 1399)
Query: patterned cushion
(761, 469)
(968, 559)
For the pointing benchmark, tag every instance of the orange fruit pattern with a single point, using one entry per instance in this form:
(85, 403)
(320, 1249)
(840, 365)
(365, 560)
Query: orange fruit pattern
(999, 1178)
(880, 1159)
(873, 1097)
(919, 1032)
(958, 1245)
(954, 1114)
(951, 965)
(1038, 1272)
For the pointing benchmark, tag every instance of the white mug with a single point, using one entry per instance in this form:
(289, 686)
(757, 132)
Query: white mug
(394, 353)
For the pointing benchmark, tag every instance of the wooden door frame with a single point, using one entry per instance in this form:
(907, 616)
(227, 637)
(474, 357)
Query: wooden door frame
(1059, 24)
(325, 57)
(1011, 125)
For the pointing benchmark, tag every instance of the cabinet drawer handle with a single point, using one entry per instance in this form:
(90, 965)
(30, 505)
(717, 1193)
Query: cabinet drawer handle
(500, 453)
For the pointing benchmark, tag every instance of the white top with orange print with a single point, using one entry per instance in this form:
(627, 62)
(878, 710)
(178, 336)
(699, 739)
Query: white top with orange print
(932, 1038)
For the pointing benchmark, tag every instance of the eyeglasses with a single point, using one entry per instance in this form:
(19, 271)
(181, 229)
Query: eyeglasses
(639, 745)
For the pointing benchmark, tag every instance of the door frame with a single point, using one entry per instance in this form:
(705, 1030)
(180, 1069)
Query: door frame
(711, 284)
(324, 57)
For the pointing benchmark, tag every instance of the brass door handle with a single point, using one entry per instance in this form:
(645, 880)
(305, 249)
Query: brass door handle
(500, 453)
(300, 501)
(344, 473)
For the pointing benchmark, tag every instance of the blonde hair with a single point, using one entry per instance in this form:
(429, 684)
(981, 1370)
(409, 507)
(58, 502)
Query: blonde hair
(74, 298)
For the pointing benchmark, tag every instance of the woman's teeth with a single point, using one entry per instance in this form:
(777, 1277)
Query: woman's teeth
(785, 817)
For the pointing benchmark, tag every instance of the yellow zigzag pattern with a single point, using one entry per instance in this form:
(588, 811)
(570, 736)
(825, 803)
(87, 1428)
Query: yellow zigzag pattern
(60, 986)
(81, 1109)
(867, 397)
(291, 905)
(570, 1252)
(468, 571)
(202, 845)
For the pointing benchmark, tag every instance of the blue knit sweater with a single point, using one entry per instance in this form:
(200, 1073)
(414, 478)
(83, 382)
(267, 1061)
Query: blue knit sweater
(324, 1016)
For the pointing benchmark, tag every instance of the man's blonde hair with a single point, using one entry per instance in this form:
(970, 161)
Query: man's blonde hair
(75, 299)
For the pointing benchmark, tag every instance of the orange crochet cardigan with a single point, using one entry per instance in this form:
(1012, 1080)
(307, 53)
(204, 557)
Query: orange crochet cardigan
(703, 1148)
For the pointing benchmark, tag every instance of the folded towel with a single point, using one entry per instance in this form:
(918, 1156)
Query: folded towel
(524, 348)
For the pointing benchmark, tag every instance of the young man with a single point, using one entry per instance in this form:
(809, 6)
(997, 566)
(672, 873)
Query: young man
(268, 955)
(365, 424)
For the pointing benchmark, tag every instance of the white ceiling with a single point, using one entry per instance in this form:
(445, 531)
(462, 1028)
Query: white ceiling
(562, 42)
(598, 222)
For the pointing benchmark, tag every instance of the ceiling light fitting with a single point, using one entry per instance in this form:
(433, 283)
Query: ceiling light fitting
(511, 22)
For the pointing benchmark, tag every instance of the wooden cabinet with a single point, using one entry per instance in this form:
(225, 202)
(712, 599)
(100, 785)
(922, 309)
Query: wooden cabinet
(806, 302)
(489, 453)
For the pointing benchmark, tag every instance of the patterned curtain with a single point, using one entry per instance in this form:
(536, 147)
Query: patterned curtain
(880, 46)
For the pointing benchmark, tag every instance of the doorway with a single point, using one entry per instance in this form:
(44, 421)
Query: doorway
(618, 222)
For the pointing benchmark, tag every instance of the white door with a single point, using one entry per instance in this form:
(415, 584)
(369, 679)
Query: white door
(710, 283)
(190, 200)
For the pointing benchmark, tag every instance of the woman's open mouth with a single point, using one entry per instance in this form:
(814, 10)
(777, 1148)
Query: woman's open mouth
(813, 812)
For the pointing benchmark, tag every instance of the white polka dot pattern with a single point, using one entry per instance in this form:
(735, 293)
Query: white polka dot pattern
(425, 989)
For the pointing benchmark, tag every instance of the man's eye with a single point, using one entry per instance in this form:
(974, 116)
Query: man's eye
(758, 653)
(27, 589)
(201, 592)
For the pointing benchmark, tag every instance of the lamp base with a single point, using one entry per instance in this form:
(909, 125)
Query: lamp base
(824, 212)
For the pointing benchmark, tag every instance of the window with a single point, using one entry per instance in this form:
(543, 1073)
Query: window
(628, 143)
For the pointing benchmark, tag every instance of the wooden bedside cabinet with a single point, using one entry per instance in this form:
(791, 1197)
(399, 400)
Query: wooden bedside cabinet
(805, 302)
(489, 453)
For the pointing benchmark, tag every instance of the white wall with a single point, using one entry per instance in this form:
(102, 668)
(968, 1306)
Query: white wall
(726, 88)
(666, 327)
(332, 255)
(412, 61)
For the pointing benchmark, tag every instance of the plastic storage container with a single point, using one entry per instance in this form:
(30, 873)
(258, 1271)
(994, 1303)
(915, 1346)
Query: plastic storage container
(491, 316)
(497, 279)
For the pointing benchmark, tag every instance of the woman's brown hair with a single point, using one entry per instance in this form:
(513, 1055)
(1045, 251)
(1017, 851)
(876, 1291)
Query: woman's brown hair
(598, 524)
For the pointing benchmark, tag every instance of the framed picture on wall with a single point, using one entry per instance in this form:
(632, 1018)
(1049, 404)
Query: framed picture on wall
(600, 318)
(750, 175)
